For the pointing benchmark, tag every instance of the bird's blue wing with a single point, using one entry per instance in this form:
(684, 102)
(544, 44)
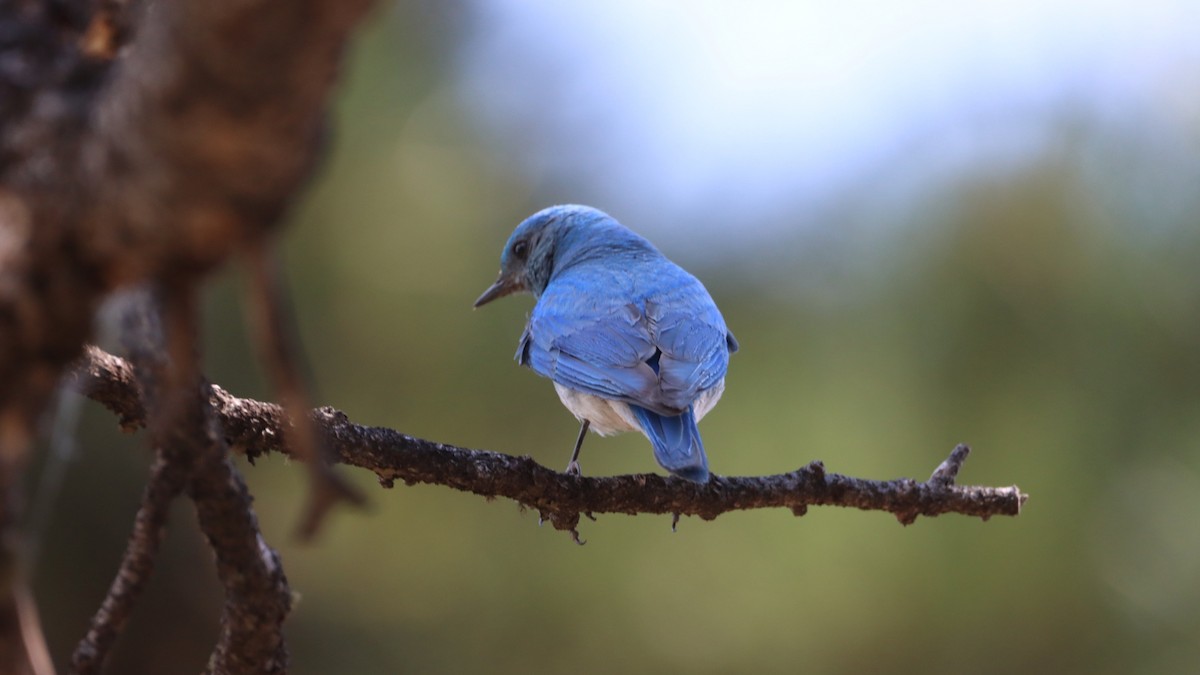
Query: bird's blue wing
(590, 341)
(695, 344)
(653, 339)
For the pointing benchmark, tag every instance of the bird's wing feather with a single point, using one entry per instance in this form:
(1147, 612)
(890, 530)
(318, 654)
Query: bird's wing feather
(590, 344)
(601, 336)
(692, 337)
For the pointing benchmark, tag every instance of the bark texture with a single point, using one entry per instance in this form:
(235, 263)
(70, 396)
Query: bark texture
(256, 428)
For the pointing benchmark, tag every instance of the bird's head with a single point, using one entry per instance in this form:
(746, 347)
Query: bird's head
(539, 244)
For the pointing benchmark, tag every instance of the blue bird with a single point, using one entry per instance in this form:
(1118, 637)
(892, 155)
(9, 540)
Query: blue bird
(631, 340)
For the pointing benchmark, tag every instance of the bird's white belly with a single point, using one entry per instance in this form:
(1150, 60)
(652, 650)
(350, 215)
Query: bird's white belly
(610, 417)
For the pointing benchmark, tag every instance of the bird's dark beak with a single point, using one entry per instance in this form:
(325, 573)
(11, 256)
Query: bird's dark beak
(503, 286)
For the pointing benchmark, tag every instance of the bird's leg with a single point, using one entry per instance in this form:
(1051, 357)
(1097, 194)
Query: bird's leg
(573, 465)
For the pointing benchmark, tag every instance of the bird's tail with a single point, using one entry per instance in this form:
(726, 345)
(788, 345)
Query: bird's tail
(676, 441)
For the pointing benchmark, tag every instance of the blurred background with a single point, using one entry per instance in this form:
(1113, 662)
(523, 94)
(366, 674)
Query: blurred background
(927, 222)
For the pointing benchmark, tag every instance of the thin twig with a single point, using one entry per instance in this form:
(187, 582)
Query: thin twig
(256, 428)
(270, 315)
(257, 597)
(31, 631)
(137, 565)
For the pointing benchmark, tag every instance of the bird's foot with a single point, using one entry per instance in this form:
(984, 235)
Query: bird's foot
(573, 469)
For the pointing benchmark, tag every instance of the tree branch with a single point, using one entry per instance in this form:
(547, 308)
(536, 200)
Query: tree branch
(185, 430)
(137, 565)
(256, 428)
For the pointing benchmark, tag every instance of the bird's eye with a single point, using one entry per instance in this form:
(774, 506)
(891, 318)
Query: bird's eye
(520, 249)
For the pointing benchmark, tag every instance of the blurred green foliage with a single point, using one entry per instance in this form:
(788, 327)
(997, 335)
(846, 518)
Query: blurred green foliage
(1019, 310)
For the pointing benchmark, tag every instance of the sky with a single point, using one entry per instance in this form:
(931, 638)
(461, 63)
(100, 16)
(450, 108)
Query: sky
(714, 107)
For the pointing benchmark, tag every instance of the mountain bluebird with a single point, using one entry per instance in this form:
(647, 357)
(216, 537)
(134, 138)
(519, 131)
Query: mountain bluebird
(631, 340)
